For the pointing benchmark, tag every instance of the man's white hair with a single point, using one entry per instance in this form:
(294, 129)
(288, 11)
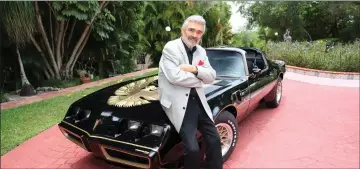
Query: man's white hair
(194, 18)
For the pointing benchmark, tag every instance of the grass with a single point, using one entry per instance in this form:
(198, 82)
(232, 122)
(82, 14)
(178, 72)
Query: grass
(342, 58)
(21, 123)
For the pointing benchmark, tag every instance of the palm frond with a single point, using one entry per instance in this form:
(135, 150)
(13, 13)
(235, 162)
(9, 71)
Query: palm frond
(18, 19)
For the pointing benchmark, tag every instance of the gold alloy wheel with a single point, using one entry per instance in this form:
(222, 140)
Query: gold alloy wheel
(226, 136)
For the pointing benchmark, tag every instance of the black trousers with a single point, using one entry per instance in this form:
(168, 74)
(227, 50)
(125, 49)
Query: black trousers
(196, 118)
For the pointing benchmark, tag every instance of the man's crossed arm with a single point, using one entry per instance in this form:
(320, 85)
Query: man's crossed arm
(183, 75)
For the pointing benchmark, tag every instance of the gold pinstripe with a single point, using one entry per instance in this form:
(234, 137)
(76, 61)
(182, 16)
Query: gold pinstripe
(104, 138)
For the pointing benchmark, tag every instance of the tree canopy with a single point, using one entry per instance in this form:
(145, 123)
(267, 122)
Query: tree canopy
(307, 20)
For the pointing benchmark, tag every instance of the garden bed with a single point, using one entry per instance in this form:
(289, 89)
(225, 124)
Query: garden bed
(339, 58)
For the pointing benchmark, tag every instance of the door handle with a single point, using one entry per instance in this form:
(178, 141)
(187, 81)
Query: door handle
(238, 95)
(235, 96)
(242, 93)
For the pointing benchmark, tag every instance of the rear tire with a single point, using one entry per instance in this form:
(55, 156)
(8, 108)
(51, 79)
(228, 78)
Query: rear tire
(227, 127)
(276, 94)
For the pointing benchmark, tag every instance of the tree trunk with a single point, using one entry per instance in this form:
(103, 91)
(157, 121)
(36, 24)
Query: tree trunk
(71, 33)
(54, 45)
(47, 75)
(27, 89)
(46, 40)
(81, 42)
(43, 57)
(62, 42)
(51, 29)
(80, 49)
(59, 42)
(24, 80)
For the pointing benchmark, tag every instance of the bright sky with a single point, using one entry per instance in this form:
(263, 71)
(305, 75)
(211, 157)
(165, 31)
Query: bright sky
(237, 21)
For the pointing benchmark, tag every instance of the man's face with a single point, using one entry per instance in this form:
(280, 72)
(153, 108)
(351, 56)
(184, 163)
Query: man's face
(192, 33)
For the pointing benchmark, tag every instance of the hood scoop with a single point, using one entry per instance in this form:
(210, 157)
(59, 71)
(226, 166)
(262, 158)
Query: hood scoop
(216, 86)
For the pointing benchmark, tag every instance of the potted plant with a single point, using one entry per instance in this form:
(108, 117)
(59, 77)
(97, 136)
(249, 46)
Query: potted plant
(84, 76)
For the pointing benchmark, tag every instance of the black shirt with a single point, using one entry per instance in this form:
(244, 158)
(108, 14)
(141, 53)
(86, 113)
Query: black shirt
(190, 53)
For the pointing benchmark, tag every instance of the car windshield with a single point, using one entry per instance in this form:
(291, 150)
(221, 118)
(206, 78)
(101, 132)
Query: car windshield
(227, 64)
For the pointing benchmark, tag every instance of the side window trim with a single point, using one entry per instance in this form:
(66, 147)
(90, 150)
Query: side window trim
(243, 56)
(266, 65)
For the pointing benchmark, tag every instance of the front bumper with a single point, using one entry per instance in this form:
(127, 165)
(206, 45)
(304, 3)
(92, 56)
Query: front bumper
(112, 150)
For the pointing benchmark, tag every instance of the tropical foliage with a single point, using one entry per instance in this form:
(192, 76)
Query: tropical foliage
(172, 14)
(218, 30)
(54, 39)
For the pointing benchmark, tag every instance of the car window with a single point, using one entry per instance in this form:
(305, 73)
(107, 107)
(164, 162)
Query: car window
(250, 54)
(227, 63)
(255, 58)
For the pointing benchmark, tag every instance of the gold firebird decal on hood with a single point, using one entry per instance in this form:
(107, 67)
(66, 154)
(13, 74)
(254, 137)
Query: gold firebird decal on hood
(135, 93)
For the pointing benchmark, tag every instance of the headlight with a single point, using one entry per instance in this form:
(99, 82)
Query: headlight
(87, 113)
(133, 125)
(77, 111)
(78, 114)
(156, 130)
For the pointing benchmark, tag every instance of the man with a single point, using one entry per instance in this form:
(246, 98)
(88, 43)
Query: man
(184, 68)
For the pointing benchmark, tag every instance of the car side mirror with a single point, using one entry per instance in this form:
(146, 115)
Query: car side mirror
(256, 70)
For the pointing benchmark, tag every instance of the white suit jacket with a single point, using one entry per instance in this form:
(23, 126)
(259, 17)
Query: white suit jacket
(175, 84)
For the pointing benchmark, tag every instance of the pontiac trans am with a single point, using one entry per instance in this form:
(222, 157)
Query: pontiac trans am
(124, 123)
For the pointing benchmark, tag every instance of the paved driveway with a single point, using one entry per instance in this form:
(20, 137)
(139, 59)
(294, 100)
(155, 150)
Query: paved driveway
(315, 126)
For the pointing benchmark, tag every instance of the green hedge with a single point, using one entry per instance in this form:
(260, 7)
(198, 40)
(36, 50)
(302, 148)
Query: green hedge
(342, 57)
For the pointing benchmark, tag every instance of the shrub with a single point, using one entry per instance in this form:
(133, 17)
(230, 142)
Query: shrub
(341, 57)
(4, 98)
(60, 83)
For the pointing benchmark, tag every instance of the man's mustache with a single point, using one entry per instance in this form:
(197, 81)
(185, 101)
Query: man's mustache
(192, 38)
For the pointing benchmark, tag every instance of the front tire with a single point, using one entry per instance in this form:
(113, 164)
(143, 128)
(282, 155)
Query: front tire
(227, 128)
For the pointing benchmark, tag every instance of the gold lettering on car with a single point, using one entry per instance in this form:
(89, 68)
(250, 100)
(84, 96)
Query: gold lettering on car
(136, 93)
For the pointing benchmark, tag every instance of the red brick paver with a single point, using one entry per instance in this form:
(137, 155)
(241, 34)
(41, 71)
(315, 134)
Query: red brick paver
(315, 126)
(69, 90)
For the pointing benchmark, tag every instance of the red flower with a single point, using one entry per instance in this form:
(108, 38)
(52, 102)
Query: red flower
(200, 63)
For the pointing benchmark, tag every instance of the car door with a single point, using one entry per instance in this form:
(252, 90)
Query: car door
(230, 67)
(241, 93)
(241, 97)
(258, 83)
(271, 77)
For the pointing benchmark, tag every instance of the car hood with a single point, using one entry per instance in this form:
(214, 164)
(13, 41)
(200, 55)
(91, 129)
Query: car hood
(131, 100)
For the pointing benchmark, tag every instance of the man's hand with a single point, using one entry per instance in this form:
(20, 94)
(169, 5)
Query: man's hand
(188, 68)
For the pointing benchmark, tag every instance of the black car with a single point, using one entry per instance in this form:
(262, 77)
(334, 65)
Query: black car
(125, 124)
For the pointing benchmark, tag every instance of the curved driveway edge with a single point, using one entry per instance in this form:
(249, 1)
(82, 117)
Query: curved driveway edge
(322, 80)
(324, 73)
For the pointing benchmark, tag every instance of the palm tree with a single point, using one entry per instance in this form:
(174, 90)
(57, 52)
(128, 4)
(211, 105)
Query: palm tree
(19, 26)
(158, 16)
